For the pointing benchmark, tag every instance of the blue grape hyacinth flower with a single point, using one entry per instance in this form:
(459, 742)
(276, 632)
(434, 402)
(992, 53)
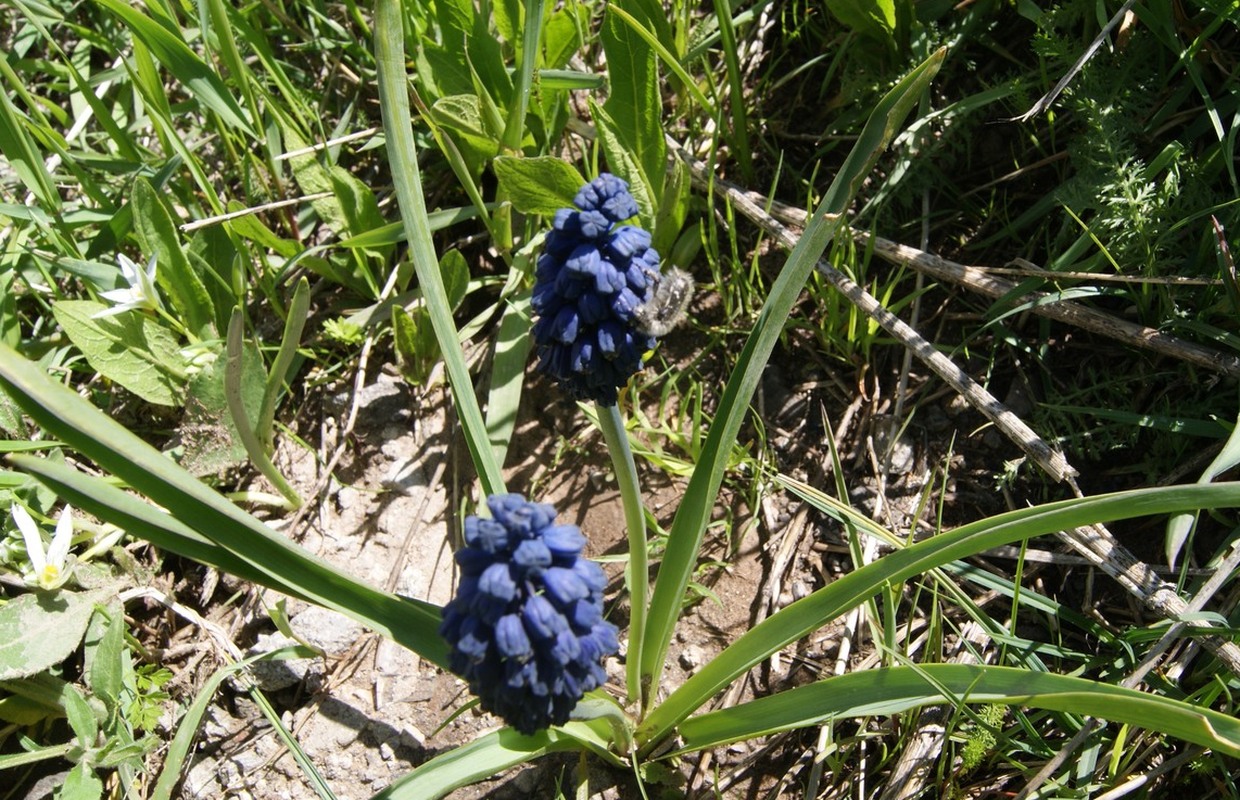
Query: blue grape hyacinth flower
(593, 274)
(526, 627)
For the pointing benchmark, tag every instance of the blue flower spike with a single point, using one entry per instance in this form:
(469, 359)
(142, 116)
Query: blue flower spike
(593, 275)
(526, 626)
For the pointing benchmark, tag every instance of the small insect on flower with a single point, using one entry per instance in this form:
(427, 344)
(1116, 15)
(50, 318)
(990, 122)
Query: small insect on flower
(667, 305)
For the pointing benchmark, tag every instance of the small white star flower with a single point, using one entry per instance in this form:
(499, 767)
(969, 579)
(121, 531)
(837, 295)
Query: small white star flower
(48, 568)
(141, 292)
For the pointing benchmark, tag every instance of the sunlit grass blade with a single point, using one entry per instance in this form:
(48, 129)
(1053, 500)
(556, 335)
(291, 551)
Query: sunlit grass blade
(22, 154)
(740, 119)
(394, 102)
(486, 757)
(897, 689)
(277, 561)
(196, 75)
(685, 538)
(514, 126)
(828, 603)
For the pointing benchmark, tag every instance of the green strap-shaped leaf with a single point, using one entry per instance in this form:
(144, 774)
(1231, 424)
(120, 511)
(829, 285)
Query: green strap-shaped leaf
(685, 537)
(897, 689)
(394, 102)
(810, 613)
(489, 755)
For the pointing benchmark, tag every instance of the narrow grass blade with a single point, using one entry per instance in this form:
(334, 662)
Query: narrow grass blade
(21, 153)
(514, 126)
(394, 103)
(179, 747)
(1179, 526)
(897, 689)
(112, 447)
(736, 91)
(685, 537)
(197, 76)
(486, 757)
(828, 603)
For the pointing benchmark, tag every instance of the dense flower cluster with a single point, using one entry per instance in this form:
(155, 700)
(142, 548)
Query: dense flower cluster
(593, 274)
(526, 626)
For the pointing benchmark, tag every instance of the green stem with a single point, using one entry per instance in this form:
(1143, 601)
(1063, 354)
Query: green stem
(617, 439)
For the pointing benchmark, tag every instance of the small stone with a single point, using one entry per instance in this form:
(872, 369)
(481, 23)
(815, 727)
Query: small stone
(386, 752)
(346, 498)
(691, 657)
(330, 631)
(273, 675)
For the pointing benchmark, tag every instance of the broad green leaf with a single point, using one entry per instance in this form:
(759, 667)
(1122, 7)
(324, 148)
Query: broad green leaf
(541, 185)
(414, 339)
(176, 277)
(217, 254)
(512, 350)
(201, 81)
(562, 36)
(80, 715)
(455, 274)
(361, 208)
(81, 784)
(673, 209)
(685, 537)
(131, 349)
(461, 116)
(105, 667)
(461, 113)
(25, 647)
(897, 689)
(252, 228)
(23, 711)
(351, 209)
(622, 163)
(634, 104)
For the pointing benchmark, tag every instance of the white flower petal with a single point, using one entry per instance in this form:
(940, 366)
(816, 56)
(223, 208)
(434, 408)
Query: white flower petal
(112, 312)
(128, 269)
(59, 551)
(120, 295)
(32, 537)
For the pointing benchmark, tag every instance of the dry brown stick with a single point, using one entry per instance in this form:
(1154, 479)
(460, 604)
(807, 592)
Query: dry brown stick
(1049, 459)
(983, 281)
